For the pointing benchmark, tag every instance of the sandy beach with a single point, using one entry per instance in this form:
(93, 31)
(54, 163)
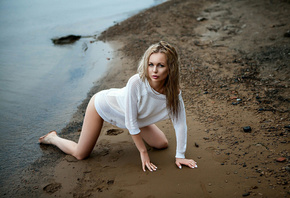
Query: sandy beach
(235, 74)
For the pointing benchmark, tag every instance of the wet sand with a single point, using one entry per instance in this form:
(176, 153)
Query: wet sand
(235, 73)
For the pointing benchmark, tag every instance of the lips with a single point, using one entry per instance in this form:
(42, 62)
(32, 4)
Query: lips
(155, 76)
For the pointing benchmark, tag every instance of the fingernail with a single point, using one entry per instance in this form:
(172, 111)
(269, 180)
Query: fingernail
(180, 167)
(195, 166)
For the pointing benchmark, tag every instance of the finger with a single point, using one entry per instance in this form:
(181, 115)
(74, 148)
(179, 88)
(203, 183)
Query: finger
(149, 167)
(178, 165)
(143, 167)
(153, 167)
(192, 164)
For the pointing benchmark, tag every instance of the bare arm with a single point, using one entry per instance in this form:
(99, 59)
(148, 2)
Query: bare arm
(143, 153)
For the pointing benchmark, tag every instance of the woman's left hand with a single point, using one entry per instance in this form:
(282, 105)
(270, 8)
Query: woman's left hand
(188, 162)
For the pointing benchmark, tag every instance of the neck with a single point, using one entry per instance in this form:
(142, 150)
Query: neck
(159, 87)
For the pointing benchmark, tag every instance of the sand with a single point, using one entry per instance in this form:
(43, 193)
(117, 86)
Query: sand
(235, 73)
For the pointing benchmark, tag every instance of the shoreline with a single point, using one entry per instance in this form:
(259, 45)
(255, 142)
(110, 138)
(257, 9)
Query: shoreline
(220, 63)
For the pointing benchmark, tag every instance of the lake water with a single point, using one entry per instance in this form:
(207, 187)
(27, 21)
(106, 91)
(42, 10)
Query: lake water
(42, 84)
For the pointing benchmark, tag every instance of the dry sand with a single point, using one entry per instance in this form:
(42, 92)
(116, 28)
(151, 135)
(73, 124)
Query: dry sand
(235, 73)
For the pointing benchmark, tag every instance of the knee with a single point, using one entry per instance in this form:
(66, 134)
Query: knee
(162, 145)
(79, 156)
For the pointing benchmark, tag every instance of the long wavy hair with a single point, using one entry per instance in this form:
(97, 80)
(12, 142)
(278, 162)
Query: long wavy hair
(171, 85)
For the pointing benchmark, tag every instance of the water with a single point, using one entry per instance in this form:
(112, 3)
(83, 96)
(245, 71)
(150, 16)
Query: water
(42, 84)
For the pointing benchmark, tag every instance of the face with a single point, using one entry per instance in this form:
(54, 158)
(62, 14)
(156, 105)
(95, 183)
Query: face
(157, 68)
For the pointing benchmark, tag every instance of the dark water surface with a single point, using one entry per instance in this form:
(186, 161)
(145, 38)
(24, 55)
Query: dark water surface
(41, 84)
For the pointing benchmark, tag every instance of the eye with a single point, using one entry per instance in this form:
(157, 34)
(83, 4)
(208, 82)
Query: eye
(151, 65)
(160, 65)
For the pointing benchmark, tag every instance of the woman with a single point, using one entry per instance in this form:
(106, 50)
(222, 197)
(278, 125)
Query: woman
(150, 96)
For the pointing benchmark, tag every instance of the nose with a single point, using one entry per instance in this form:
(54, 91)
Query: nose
(155, 69)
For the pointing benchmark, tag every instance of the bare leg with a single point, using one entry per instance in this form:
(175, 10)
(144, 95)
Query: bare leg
(90, 132)
(154, 137)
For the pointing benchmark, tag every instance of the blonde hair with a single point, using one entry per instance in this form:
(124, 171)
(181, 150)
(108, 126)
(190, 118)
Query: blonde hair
(171, 86)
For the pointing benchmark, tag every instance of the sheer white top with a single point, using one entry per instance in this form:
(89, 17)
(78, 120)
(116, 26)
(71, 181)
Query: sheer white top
(137, 105)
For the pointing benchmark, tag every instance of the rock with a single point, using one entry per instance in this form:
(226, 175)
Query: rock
(70, 39)
(196, 145)
(281, 159)
(247, 129)
(201, 19)
(246, 194)
(287, 34)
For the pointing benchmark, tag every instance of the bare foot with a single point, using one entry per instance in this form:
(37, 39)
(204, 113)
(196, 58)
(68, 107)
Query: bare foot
(46, 139)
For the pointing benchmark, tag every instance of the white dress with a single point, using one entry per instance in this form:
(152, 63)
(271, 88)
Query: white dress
(136, 106)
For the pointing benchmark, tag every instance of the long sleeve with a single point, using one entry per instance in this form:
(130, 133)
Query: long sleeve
(180, 130)
(131, 106)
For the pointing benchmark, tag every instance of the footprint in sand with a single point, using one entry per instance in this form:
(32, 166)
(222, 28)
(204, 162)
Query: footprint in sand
(52, 188)
(114, 132)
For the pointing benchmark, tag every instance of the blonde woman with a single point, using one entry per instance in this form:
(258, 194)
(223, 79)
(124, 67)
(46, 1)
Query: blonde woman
(150, 96)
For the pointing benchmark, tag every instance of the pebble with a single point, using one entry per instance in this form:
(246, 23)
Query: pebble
(247, 129)
(246, 194)
(196, 145)
(287, 34)
(281, 159)
(201, 19)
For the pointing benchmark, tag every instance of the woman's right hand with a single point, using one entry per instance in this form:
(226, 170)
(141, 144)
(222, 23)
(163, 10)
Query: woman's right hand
(146, 162)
